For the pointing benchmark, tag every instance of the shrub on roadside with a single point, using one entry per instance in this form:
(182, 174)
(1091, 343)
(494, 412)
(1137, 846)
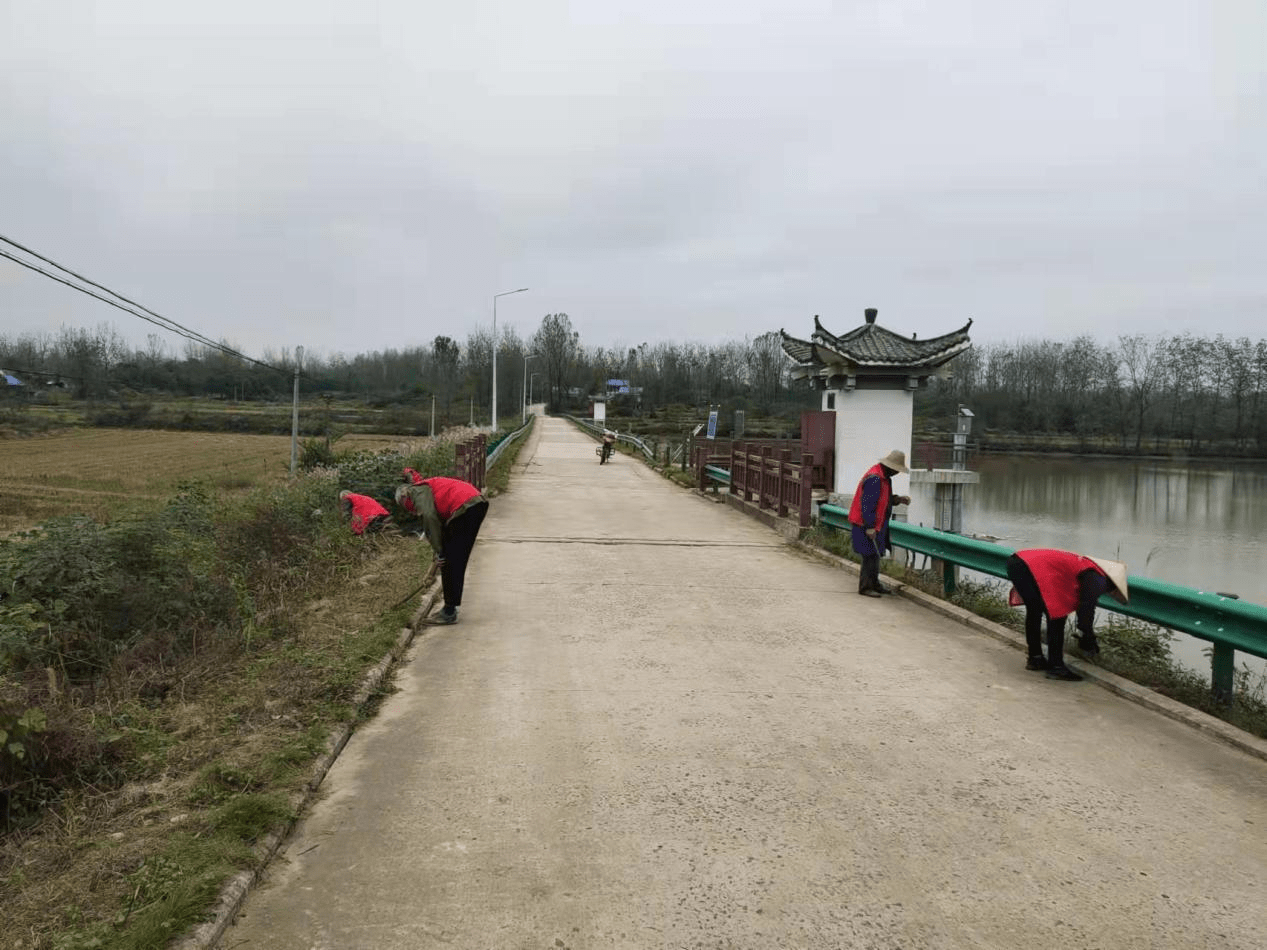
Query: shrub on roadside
(79, 594)
(378, 473)
(91, 609)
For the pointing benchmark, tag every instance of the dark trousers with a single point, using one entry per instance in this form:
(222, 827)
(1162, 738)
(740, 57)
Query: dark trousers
(1022, 579)
(458, 539)
(869, 574)
(869, 550)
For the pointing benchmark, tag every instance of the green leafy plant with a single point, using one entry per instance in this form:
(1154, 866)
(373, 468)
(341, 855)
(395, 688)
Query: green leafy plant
(16, 730)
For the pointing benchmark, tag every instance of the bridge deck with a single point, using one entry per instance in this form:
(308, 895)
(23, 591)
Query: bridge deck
(657, 725)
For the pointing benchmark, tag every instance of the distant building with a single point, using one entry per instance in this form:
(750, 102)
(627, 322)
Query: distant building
(12, 385)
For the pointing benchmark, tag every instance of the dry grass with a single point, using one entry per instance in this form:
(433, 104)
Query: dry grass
(210, 748)
(99, 472)
(264, 715)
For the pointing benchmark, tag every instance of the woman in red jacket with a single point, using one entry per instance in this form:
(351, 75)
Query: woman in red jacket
(364, 512)
(451, 511)
(869, 516)
(1058, 583)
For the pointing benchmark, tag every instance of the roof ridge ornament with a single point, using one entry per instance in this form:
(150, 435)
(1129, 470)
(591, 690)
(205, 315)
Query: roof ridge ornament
(871, 313)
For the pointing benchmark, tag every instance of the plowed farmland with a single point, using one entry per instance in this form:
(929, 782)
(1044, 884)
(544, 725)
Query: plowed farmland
(101, 472)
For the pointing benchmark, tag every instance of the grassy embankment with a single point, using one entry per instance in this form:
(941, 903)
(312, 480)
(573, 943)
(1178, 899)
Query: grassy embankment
(170, 679)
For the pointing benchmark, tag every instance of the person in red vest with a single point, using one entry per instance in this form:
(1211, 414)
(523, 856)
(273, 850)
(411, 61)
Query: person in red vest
(364, 512)
(451, 512)
(1058, 583)
(872, 507)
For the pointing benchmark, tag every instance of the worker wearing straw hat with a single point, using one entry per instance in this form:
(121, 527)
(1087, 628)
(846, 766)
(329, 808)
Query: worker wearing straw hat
(1058, 583)
(869, 514)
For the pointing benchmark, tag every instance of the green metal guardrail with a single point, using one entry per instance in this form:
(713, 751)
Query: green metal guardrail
(717, 474)
(1227, 623)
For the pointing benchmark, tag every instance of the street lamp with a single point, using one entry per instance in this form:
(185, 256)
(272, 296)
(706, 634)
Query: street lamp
(524, 414)
(495, 296)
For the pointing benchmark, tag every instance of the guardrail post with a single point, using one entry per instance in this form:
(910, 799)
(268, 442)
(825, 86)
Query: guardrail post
(1222, 672)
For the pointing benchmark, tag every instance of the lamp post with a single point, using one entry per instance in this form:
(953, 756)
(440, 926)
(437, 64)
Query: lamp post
(524, 414)
(495, 296)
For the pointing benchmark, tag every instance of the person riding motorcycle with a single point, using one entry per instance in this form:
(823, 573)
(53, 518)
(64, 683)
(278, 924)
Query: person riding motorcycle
(609, 439)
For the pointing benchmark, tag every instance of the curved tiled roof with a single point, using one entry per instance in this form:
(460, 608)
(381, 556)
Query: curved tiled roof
(874, 347)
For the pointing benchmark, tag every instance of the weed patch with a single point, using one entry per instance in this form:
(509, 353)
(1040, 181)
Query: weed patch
(167, 723)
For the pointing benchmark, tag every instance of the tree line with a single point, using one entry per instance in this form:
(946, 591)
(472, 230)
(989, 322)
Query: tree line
(1141, 393)
(1204, 394)
(552, 365)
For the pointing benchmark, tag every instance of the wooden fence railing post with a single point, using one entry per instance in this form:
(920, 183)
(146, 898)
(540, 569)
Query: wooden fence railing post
(785, 475)
(807, 492)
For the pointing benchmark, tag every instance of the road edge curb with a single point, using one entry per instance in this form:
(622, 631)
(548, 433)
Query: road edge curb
(234, 892)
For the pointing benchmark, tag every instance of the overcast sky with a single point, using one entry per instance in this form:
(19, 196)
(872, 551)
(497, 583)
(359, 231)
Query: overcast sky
(356, 176)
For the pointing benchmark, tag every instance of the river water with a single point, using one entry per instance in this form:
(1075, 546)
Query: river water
(1199, 524)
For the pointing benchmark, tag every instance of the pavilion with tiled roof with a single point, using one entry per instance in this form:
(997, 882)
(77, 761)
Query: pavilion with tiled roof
(868, 377)
(872, 353)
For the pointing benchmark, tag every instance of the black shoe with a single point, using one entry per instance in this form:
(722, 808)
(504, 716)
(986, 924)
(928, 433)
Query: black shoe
(445, 617)
(1089, 644)
(1063, 673)
(1036, 663)
(884, 590)
(869, 592)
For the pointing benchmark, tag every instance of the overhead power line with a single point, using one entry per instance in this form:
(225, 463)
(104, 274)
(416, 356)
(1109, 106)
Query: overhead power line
(147, 315)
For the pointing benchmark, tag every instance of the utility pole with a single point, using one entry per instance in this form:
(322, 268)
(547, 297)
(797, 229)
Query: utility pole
(524, 404)
(433, 416)
(294, 414)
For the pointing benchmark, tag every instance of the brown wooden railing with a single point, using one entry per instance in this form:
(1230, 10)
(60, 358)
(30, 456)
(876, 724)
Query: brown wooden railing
(471, 462)
(767, 472)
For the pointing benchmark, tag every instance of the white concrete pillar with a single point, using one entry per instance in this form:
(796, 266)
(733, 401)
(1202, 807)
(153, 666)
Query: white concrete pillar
(870, 423)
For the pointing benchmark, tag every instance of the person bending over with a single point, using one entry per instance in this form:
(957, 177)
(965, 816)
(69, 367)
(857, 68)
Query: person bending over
(1059, 583)
(451, 512)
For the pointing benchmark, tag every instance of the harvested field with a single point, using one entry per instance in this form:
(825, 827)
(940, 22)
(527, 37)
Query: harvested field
(100, 472)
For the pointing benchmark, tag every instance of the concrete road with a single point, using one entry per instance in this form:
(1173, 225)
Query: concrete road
(657, 726)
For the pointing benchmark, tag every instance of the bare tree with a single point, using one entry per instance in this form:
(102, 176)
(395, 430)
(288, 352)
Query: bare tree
(1141, 358)
(559, 346)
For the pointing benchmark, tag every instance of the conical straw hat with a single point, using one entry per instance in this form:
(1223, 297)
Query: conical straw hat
(1115, 571)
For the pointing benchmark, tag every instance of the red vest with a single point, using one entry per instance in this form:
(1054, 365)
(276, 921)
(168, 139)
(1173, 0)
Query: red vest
(1056, 574)
(450, 494)
(364, 510)
(882, 505)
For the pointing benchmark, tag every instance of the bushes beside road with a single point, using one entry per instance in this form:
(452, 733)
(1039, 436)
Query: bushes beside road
(166, 681)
